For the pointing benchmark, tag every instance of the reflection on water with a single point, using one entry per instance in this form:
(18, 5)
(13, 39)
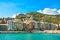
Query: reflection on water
(30, 36)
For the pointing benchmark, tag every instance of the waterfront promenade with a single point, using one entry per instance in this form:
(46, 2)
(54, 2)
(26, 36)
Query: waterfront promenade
(52, 31)
(48, 31)
(34, 31)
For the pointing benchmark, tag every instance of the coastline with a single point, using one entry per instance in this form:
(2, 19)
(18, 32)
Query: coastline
(45, 31)
(5, 32)
(52, 31)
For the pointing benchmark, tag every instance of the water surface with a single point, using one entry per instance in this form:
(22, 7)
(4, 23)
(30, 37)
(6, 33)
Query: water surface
(30, 36)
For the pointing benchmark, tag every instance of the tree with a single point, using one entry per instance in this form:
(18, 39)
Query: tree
(57, 21)
(20, 16)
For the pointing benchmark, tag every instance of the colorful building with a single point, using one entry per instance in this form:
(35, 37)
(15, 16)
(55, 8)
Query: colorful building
(15, 24)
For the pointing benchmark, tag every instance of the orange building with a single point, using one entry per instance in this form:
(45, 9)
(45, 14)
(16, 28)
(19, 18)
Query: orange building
(30, 26)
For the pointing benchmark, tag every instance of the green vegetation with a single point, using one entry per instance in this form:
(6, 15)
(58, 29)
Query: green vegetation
(55, 19)
(41, 17)
(20, 16)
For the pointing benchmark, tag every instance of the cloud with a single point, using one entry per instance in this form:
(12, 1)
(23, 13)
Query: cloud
(14, 15)
(58, 11)
(50, 11)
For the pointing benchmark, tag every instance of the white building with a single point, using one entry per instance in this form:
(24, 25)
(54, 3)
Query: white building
(15, 24)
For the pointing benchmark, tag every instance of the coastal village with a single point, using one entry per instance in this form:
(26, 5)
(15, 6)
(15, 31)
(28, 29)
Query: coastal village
(14, 24)
(29, 19)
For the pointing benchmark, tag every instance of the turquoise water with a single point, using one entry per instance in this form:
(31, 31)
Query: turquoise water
(30, 36)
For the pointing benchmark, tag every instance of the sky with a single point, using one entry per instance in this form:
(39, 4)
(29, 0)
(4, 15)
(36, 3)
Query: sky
(11, 8)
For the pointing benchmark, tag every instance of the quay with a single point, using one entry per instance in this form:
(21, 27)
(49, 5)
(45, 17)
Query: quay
(45, 31)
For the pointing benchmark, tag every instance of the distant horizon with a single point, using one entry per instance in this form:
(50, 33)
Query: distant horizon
(10, 8)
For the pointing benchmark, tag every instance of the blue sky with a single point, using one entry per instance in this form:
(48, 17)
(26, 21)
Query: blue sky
(9, 8)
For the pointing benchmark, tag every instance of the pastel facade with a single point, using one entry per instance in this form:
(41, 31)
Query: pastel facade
(15, 24)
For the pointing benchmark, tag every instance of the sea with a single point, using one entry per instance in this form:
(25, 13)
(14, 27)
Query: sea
(29, 36)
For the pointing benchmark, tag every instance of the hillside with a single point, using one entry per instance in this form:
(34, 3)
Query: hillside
(39, 17)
